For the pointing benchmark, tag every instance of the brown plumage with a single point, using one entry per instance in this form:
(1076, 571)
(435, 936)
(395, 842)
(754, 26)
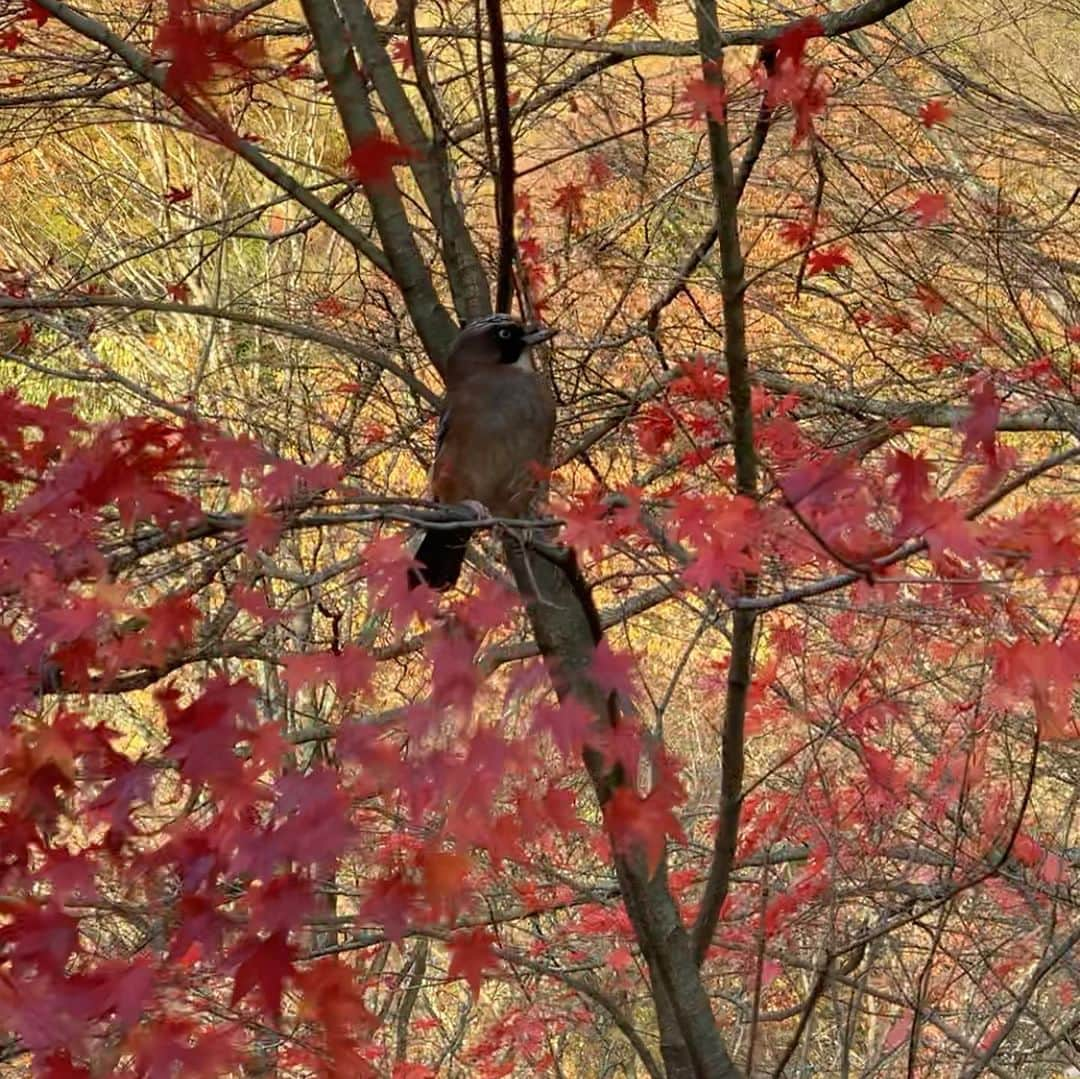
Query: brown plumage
(495, 430)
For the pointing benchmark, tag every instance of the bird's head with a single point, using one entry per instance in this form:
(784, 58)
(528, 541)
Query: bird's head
(493, 341)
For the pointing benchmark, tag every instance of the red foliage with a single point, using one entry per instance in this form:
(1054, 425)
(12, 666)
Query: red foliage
(177, 194)
(471, 956)
(706, 96)
(570, 200)
(373, 158)
(35, 13)
(934, 112)
(621, 9)
(200, 47)
(789, 81)
(826, 260)
(930, 207)
(402, 52)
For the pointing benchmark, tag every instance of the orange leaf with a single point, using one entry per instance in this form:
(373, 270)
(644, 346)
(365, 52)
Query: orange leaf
(445, 873)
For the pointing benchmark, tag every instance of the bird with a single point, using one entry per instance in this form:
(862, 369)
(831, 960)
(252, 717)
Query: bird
(493, 440)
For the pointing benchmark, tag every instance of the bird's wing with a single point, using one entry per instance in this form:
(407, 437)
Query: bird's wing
(440, 431)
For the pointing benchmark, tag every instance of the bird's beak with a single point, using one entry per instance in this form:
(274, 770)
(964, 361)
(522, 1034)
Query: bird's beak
(538, 334)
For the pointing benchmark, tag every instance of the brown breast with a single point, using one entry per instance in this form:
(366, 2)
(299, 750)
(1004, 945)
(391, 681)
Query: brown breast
(499, 429)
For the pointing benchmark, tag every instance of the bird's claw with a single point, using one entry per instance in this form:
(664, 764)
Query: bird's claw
(478, 508)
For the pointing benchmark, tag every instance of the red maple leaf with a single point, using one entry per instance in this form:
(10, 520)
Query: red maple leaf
(471, 955)
(933, 303)
(34, 12)
(885, 774)
(570, 198)
(788, 81)
(531, 250)
(701, 380)
(390, 902)
(706, 96)
(455, 677)
(287, 478)
(179, 292)
(263, 963)
(386, 567)
(401, 51)
(896, 322)
(445, 876)
(790, 43)
(613, 671)
(333, 997)
(59, 1065)
(797, 233)
(330, 306)
(980, 426)
(826, 260)
(621, 9)
(199, 46)
(372, 159)
(236, 459)
(600, 173)
(38, 936)
(654, 427)
(10, 40)
(262, 531)
(568, 723)
(177, 194)
(642, 824)
(930, 207)
(205, 732)
(312, 819)
(588, 525)
(349, 670)
(170, 625)
(934, 111)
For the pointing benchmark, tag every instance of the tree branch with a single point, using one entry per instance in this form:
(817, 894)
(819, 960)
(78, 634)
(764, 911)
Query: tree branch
(155, 74)
(504, 177)
(409, 271)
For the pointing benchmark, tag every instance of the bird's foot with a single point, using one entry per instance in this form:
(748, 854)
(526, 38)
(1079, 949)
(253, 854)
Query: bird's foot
(479, 510)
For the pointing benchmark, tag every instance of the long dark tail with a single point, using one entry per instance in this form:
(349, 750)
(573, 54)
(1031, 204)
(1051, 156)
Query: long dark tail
(441, 555)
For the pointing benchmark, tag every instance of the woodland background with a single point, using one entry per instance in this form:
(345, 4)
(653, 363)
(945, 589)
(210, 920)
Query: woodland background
(806, 806)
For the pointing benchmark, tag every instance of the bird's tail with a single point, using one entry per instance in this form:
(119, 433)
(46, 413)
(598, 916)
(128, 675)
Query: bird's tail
(440, 555)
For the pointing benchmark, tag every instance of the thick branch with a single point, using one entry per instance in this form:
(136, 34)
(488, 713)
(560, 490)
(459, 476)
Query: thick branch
(504, 177)
(409, 271)
(737, 361)
(430, 166)
(245, 318)
(834, 24)
(566, 627)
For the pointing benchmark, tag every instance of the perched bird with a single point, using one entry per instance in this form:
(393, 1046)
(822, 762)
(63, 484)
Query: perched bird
(495, 430)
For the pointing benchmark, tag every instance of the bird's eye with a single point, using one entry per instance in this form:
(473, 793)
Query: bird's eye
(505, 335)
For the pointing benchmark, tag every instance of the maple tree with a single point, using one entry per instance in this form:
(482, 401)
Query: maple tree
(754, 753)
